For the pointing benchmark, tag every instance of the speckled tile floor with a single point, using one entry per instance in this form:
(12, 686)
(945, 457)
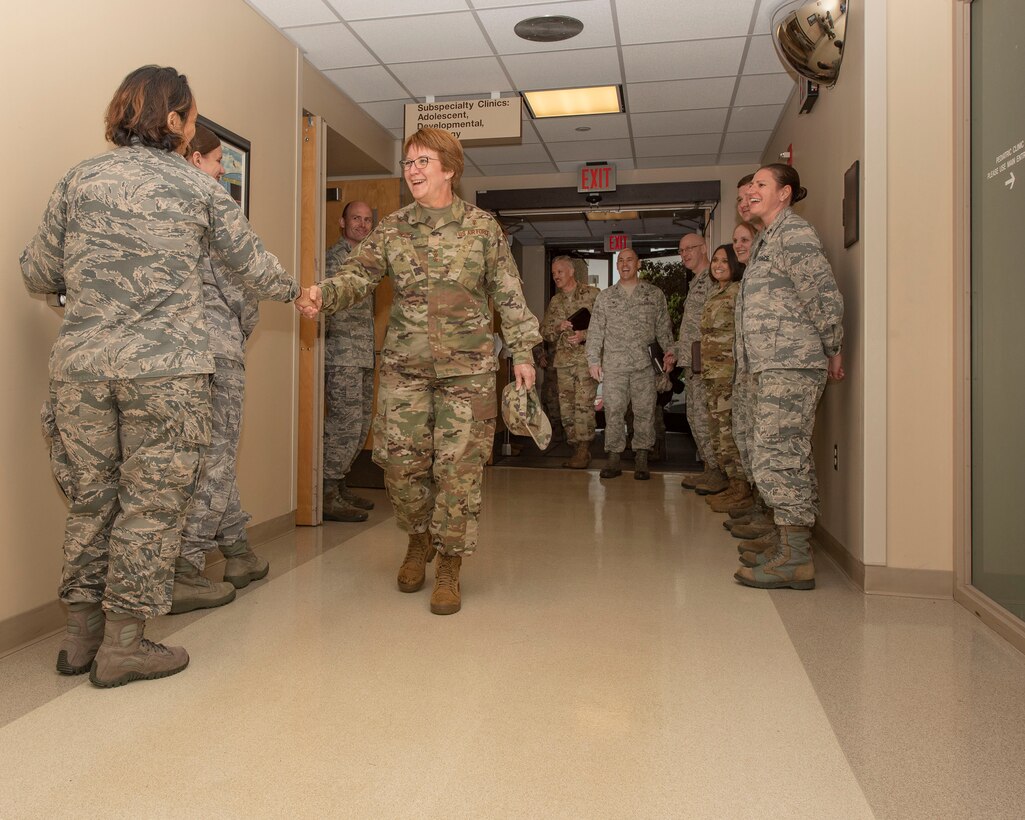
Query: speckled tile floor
(604, 665)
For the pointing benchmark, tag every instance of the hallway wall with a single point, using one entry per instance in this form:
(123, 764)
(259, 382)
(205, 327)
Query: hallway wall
(62, 63)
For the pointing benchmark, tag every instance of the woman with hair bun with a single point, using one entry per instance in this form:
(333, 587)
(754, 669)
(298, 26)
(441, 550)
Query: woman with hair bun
(789, 335)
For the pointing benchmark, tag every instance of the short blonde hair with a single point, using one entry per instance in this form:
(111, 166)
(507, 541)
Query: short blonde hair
(447, 147)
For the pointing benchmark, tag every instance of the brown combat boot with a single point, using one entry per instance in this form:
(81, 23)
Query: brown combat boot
(82, 639)
(419, 554)
(790, 565)
(125, 655)
(739, 496)
(445, 599)
(581, 458)
(751, 550)
(691, 480)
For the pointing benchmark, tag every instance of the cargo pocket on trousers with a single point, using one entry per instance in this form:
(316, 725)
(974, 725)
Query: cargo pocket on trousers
(380, 427)
(59, 463)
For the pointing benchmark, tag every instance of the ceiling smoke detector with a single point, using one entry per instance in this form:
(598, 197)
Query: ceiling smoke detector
(549, 29)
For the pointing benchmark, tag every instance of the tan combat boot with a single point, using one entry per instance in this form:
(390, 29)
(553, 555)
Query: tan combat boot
(716, 483)
(739, 496)
(83, 637)
(194, 591)
(789, 565)
(692, 480)
(581, 458)
(758, 549)
(125, 655)
(419, 554)
(445, 599)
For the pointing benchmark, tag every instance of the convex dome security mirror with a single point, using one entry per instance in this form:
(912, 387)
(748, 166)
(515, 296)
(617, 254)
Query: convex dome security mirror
(809, 36)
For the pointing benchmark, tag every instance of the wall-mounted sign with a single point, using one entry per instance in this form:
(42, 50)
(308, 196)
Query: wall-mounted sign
(615, 242)
(472, 122)
(596, 176)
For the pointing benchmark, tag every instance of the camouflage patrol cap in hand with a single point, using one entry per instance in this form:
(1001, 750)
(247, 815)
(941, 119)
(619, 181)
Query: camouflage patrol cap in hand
(523, 415)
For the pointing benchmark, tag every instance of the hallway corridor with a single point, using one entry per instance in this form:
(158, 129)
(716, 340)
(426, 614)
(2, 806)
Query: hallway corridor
(604, 665)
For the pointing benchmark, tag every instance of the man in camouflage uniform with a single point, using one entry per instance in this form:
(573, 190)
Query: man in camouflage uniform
(627, 317)
(123, 234)
(437, 402)
(348, 377)
(694, 252)
(544, 363)
(790, 315)
(576, 387)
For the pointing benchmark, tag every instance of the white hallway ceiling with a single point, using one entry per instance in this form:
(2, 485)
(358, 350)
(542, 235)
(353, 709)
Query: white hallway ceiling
(702, 84)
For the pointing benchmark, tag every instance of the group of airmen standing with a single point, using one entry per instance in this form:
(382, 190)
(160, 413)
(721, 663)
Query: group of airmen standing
(162, 273)
(761, 332)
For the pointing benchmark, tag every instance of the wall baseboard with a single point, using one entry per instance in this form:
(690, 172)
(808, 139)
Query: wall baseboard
(876, 580)
(29, 627)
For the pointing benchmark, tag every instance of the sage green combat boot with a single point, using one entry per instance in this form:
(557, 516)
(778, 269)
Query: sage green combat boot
(125, 655)
(82, 639)
(337, 508)
(419, 554)
(613, 469)
(195, 591)
(641, 466)
(243, 566)
(349, 497)
(789, 565)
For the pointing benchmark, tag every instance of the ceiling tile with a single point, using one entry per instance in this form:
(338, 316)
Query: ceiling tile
(752, 158)
(682, 145)
(683, 61)
(762, 57)
(331, 46)
(764, 89)
(564, 69)
(677, 161)
(762, 25)
(416, 39)
(362, 10)
(492, 4)
(755, 117)
(508, 154)
(367, 84)
(594, 14)
(590, 151)
(602, 126)
(572, 166)
(284, 13)
(674, 95)
(745, 141)
(665, 123)
(453, 76)
(509, 170)
(390, 113)
(658, 21)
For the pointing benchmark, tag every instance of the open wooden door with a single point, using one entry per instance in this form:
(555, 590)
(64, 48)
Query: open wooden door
(311, 349)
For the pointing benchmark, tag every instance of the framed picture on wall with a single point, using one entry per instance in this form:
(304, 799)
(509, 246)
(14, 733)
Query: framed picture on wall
(851, 204)
(235, 160)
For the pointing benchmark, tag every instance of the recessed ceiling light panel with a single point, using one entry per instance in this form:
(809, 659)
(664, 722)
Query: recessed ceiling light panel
(549, 29)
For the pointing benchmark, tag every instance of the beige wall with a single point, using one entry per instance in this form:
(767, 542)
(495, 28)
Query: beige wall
(62, 62)
(921, 287)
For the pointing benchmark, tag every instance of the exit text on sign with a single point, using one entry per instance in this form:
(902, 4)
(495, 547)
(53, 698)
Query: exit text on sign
(617, 242)
(596, 178)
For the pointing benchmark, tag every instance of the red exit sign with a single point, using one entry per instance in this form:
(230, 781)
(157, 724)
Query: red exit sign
(596, 177)
(615, 242)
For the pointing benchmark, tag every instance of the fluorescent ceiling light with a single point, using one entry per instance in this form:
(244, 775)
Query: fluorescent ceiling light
(574, 102)
(611, 216)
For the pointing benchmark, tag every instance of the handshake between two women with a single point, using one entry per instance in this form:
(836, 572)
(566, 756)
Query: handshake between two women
(310, 301)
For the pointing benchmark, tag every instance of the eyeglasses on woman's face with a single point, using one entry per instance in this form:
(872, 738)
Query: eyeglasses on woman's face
(419, 162)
